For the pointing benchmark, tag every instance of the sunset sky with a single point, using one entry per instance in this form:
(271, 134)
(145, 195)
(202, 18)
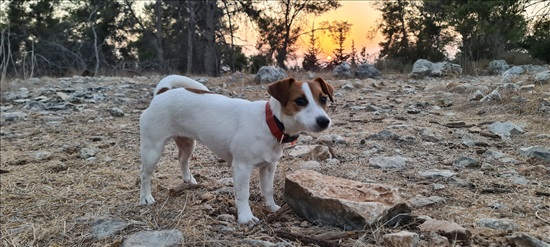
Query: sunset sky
(361, 14)
(363, 17)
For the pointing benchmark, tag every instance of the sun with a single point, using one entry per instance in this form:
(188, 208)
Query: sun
(329, 58)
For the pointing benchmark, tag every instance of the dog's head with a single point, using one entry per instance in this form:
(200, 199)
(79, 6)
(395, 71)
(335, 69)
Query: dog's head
(303, 104)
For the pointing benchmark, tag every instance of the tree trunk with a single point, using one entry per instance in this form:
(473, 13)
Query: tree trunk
(159, 34)
(231, 35)
(190, 31)
(210, 61)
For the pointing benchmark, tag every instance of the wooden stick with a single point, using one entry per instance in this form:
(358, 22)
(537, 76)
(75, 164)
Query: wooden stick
(305, 239)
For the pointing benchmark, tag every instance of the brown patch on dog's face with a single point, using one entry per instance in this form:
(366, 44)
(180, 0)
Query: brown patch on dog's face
(279, 90)
(320, 94)
(197, 91)
(326, 88)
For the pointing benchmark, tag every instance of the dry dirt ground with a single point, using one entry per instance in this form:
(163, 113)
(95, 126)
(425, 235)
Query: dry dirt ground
(51, 194)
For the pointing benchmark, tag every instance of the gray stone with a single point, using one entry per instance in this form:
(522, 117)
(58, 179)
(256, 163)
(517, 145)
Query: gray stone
(388, 162)
(86, 153)
(530, 68)
(341, 202)
(536, 152)
(437, 186)
(494, 95)
(525, 240)
(268, 74)
(496, 67)
(428, 135)
(401, 239)
(384, 135)
(421, 201)
(41, 155)
(497, 224)
(421, 68)
(342, 71)
(106, 227)
(462, 162)
(445, 69)
(310, 165)
(449, 229)
(12, 116)
(493, 155)
(543, 77)
(367, 71)
(311, 152)
(165, 238)
(331, 139)
(477, 95)
(505, 129)
(435, 173)
(262, 243)
(116, 112)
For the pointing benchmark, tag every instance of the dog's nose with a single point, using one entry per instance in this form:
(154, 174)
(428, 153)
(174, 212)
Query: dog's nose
(323, 122)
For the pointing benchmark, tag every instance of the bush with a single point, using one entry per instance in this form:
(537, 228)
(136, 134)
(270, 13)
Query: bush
(388, 66)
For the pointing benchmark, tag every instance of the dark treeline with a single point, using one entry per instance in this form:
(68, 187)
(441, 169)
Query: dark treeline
(480, 30)
(56, 38)
(61, 37)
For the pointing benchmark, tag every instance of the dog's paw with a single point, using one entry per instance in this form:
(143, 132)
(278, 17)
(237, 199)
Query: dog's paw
(274, 207)
(190, 180)
(147, 200)
(248, 219)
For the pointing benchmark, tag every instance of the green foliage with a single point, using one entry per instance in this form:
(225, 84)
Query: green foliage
(538, 43)
(257, 61)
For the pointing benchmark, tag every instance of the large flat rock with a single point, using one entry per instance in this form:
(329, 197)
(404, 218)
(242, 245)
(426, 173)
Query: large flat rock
(342, 202)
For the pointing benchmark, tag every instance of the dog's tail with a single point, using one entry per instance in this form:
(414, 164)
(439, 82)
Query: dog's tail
(173, 81)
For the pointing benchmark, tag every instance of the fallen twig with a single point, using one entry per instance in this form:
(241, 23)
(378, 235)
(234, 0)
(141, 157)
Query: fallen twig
(542, 193)
(494, 190)
(304, 239)
(272, 217)
(540, 218)
(173, 192)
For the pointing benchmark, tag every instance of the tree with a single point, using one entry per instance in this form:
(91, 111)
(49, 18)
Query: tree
(339, 31)
(353, 54)
(538, 43)
(394, 28)
(311, 62)
(280, 25)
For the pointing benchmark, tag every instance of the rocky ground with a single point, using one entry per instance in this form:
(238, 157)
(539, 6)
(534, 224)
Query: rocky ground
(469, 155)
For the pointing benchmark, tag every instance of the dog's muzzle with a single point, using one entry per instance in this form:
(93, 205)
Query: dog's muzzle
(322, 123)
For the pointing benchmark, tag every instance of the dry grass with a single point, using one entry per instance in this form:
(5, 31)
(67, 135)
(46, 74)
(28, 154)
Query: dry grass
(54, 201)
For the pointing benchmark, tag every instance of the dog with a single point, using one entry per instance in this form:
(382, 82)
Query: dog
(246, 134)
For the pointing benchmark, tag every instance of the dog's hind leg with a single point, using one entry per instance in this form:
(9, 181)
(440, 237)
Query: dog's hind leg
(150, 155)
(185, 149)
(267, 174)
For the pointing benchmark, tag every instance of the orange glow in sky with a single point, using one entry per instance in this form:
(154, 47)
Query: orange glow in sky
(362, 16)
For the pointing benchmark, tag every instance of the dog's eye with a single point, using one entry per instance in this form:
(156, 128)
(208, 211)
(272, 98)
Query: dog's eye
(300, 101)
(323, 100)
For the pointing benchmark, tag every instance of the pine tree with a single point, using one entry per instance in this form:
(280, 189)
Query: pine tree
(311, 62)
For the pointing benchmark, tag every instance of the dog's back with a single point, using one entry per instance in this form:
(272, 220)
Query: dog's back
(173, 81)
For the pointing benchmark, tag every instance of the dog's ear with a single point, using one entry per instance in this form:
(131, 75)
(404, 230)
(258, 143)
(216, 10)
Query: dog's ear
(280, 90)
(327, 88)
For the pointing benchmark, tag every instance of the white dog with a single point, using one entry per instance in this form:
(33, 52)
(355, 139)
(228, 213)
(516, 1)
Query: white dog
(244, 133)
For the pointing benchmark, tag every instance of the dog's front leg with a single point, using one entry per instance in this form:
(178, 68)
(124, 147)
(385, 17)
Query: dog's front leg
(267, 174)
(241, 181)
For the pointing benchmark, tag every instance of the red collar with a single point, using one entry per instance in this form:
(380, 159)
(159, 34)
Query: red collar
(276, 127)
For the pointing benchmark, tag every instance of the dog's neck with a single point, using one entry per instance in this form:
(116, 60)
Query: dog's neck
(281, 122)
